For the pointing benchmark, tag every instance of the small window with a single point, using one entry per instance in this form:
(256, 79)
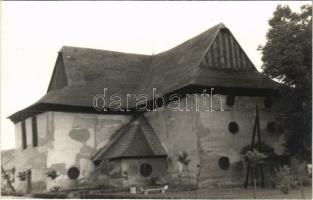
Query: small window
(233, 127)
(224, 163)
(24, 139)
(230, 100)
(35, 131)
(145, 170)
(73, 173)
(271, 127)
(268, 102)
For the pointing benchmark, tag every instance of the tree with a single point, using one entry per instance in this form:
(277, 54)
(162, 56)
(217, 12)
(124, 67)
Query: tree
(106, 168)
(287, 57)
(6, 176)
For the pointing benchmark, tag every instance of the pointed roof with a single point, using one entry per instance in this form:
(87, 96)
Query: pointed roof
(135, 139)
(187, 64)
(178, 66)
(211, 59)
(89, 71)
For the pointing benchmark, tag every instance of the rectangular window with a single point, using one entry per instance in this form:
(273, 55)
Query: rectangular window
(24, 142)
(35, 131)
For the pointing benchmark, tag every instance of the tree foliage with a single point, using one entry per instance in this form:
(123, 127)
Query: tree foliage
(287, 57)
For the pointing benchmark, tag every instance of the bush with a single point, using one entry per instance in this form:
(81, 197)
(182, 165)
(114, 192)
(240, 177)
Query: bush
(52, 174)
(285, 181)
(55, 189)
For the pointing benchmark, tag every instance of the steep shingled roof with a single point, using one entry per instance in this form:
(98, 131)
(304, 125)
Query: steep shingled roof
(89, 71)
(135, 139)
(82, 73)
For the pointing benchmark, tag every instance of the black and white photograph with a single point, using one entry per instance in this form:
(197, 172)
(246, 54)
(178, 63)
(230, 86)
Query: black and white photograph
(156, 99)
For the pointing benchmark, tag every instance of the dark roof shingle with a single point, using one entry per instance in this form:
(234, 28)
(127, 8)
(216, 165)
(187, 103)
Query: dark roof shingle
(89, 71)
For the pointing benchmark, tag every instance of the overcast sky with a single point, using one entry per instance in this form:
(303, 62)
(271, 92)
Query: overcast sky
(33, 32)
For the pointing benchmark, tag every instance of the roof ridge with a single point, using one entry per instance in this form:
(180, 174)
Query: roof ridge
(100, 50)
(220, 25)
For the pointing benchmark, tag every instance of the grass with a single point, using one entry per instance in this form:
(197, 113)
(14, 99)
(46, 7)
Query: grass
(212, 193)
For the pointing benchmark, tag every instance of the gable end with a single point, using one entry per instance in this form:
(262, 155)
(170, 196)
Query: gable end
(58, 79)
(226, 53)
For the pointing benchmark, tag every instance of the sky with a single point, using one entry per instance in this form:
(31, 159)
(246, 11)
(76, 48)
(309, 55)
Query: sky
(33, 32)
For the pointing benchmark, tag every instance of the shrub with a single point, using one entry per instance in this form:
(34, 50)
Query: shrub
(52, 174)
(56, 188)
(22, 175)
(285, 181)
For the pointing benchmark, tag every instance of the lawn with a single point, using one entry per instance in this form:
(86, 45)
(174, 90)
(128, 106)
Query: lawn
(209, 193)
(216, 193)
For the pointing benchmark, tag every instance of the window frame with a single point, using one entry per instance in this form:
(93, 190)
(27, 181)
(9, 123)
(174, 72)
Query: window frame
(143, 170)
(73, 173)
(224, 163)
(24, 135)
(230, 100)
(233, 127)
(34, 132)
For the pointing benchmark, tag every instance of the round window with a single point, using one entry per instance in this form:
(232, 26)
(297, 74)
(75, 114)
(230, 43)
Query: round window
(73, 173)
(230, 100)
(145, 170)
(268, 102)
(233, 127)
(271, 127)
(223, 162)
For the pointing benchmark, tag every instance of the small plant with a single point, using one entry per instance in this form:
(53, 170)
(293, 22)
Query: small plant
(5, 175)
(125, 176)
(9, 177)
(106, 168)
(22, 175)
(184, 160)
(285, 181)
(198, 174)
(56, 188)
(52, 174)
(253, 158)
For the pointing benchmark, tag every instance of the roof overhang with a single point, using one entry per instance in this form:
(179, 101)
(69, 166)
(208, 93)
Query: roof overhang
(39, 108)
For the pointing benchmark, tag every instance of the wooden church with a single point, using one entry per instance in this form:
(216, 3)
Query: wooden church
(63, 133)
